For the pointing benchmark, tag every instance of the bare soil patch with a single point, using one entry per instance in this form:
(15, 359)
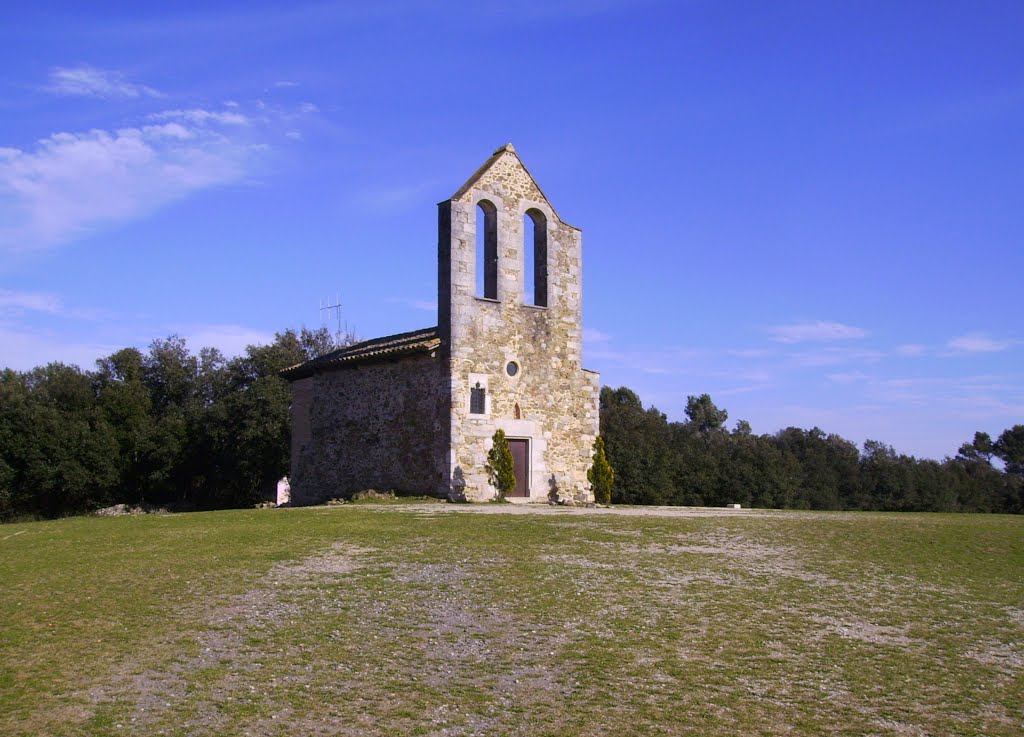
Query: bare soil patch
(453, 620)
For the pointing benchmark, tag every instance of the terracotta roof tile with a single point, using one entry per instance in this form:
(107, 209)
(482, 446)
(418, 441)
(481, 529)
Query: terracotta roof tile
(390, 346)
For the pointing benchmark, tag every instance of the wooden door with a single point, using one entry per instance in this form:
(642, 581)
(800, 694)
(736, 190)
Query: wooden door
(521, 463)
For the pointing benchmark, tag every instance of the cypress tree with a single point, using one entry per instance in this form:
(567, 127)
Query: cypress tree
(500, 469)
(601, 475)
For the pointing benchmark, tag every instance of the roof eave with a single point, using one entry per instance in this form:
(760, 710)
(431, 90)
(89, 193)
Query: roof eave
(326, 363)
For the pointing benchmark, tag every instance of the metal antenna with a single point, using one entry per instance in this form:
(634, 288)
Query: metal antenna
(328, 308)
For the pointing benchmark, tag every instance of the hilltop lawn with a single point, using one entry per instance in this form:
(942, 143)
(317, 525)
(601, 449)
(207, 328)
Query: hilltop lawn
(429, 619)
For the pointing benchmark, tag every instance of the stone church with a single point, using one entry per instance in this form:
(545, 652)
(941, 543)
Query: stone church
(416, 412)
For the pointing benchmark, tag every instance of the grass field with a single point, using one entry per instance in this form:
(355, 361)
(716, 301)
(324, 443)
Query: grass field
(430, 619)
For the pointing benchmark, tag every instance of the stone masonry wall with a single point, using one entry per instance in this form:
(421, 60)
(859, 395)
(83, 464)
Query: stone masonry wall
(302, 405)
(379, 425)
(557, 400)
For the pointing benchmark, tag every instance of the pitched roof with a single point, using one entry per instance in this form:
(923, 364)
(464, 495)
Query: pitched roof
(508, 148)
(484, 167)
(388, 347)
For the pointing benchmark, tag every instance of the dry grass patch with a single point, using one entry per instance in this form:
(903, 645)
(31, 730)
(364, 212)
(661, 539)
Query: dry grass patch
(428, 620)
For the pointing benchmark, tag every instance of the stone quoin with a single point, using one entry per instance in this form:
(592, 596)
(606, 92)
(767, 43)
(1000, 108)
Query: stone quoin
(416, 412)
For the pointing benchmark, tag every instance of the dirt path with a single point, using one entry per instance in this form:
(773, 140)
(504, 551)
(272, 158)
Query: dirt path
(543, 508)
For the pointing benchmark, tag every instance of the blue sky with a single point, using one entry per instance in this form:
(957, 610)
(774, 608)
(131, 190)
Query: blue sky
(813, 211)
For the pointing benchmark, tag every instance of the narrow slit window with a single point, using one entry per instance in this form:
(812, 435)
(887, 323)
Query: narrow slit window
(486, 250)
(478, 400)
(535, 259)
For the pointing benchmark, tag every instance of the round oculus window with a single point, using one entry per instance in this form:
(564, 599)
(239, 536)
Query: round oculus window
(512, 368)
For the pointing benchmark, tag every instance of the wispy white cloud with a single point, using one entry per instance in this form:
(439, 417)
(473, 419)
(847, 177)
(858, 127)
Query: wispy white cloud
(23, 348)
(815, 332)
(750, 352)
(25, 345)
(88, 81)
(911, 349)
(962, 396)
(848, 377)
(13, 302)
(978, 343)
(595, 336)
(744, 389)
(390, 199)
(308, 108)
(731, 381)
(70, 183)
(833, 356)
(231, 340)
(203, 117)
(662, 361)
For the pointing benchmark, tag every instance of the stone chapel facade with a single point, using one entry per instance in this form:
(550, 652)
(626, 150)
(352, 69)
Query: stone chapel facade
(416, 412)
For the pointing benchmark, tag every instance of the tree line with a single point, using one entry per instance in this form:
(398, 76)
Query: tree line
(167, 427)
(700, 462)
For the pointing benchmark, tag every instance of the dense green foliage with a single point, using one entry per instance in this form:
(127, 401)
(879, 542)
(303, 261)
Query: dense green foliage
(700, 462)
(601, 475)
(162, 427)
(168, 427)
(500, 465)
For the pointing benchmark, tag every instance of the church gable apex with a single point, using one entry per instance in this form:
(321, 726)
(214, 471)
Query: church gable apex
(505, 176)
